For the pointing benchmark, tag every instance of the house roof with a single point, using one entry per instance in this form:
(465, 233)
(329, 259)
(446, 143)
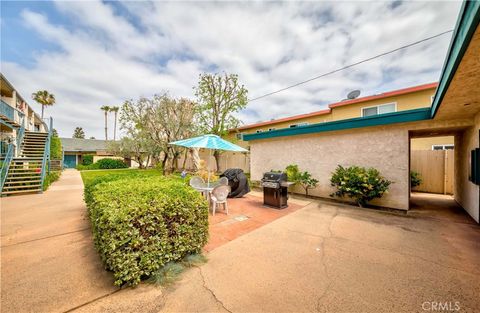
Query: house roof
(467, 23)
(343, 103)
(78, 144)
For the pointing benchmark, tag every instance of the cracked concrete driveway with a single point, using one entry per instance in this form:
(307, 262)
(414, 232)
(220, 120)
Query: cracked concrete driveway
(328, 258)
(324, 257)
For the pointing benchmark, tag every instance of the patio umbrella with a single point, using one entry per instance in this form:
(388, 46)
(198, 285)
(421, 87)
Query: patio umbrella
(211, 142)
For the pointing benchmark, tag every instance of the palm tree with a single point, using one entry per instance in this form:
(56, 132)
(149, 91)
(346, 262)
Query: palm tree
(106, 109)
(114, 109)
(44, 98)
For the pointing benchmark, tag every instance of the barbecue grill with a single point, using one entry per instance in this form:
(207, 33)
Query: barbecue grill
(275, 190)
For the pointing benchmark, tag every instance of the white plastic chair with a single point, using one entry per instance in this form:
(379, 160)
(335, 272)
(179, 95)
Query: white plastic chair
(219, 196)
(197, 182)
(223, 181)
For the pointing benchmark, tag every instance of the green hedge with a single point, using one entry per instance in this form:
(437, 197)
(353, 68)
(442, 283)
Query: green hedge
(55, 148)
(87, 159)
(50, 178)
(142, 223)
(103, 164)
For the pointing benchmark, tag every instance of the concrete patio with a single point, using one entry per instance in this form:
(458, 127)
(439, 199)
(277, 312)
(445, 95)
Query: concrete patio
(322, 257)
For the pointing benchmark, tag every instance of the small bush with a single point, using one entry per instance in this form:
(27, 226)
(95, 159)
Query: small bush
(359, 183)
(141, 224)
(108, 163)
(306, 180)
(415, 179)
(87, 159)
(292, 172)
(103, 164)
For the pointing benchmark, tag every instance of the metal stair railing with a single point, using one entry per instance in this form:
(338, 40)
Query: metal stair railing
(46, 153)
(20, 134)
(6, 165)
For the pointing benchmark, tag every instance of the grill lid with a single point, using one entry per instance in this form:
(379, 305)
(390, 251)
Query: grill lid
(274, 177)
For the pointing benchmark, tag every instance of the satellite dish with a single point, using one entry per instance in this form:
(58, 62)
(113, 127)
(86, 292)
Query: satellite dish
(353, 94)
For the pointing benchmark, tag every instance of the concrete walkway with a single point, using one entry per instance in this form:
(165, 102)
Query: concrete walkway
(325, 257)
(329, 258)
(48, 260)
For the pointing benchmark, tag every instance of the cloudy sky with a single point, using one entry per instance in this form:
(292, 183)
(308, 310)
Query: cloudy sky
(94, 53)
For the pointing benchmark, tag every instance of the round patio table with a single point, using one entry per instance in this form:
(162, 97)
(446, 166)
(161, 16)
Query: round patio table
(207, 190)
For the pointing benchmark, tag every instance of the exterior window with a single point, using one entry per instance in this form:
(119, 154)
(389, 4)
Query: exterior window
(239, 136)
(259, 131)
(379, 109)
(270, 129)
(298, 124)
(442, 147)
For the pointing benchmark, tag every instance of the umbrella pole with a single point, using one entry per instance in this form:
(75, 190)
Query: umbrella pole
(208, 166)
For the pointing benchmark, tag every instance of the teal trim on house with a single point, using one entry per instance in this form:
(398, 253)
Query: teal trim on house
(467, 23)
(358, 122)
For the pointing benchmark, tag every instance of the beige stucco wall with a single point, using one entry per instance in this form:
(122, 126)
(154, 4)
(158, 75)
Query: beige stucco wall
(414, 100)
(427, 143)
(385, 147)
(466, 193)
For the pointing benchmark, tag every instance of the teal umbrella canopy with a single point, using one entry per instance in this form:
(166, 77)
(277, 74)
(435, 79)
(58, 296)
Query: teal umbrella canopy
(213, 142)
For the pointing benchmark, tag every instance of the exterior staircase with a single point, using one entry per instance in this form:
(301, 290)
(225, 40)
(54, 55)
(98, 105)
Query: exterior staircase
(25, 171)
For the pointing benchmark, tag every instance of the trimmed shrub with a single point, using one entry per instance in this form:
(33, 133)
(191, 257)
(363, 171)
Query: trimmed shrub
(55, 148)
(103, 164)
(50, 178)
(415, 179)
(87, 159)
(108, 163)
(359, 183)
(141, 224)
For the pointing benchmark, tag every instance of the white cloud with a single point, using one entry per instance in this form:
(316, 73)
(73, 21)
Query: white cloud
(106, 58)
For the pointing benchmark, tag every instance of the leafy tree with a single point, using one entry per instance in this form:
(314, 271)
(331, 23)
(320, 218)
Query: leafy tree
(135, 148)
(44, 98)
(114, 109)
(54, 133)
(219, 97)
(105, 110)
(92, 137)
(78, 133)
(157, 122)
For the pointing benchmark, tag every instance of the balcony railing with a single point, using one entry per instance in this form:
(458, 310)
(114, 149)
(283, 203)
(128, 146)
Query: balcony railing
(7, 111)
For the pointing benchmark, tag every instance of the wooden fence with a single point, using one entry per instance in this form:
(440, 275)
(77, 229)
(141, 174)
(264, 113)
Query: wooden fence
(435, 168)
(56, 165)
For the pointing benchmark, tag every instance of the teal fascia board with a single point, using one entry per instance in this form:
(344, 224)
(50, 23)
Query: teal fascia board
(377, 120)
(467, 23)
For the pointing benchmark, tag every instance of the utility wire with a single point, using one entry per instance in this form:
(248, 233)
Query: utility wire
(351, 65)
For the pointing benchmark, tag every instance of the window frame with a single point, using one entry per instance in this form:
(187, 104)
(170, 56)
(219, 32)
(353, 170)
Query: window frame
(377, 106)
(301, 124)
(443, 146)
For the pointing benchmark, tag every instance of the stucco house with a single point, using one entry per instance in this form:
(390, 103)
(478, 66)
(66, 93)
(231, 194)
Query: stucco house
(75, 148)
(378, 131)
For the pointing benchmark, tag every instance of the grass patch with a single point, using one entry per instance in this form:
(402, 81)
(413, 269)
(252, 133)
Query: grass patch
(170, 273)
